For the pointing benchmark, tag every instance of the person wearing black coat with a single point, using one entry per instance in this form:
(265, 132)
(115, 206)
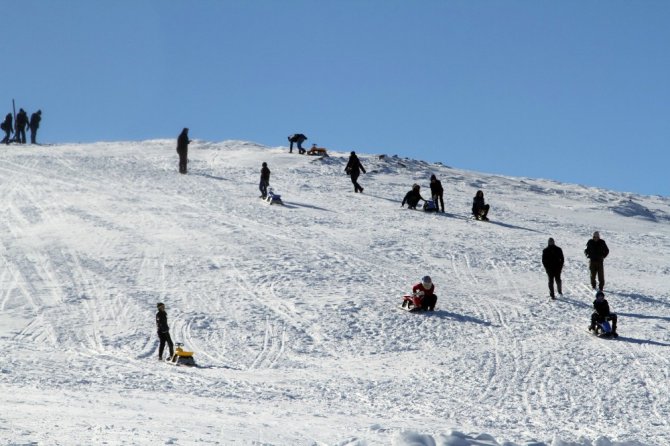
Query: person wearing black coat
(596, 250)
(7, 126)
(21, 123)
(35, 119)
(182, 150)
(412, 197)
(297, 138)
(602, 313)
(552, 260)
(479, 208)
(163, 331)
(437, 192)
(353, 169)
(265, 180)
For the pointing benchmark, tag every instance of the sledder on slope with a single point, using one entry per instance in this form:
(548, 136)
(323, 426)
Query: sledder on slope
(600, 318)
(423, 296)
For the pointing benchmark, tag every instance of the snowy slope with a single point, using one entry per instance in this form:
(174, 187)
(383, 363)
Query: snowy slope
(292, 310)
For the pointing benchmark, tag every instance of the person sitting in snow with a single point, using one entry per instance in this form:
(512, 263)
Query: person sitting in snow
(423, 294)
(479, 208)
(412, 197)
(602, 313)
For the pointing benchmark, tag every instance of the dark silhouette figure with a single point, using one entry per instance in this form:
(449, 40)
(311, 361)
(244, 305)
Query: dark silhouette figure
(603, 313)
(552, 260)
(596, 250)
(182, 150)
(297, 138)
(7, 126)
(412, 197)
(265, 180)
(437, 192)
(35, 120)
(479, 208)
(353, 169)
(20, 126)
(163, 331)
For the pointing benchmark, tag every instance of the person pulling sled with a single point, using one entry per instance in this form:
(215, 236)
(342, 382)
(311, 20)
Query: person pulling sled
(602, 316)
(423, 296)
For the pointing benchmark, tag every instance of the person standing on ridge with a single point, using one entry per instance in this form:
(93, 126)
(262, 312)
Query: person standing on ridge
(437, 192)
(163, 331)
(35, 119)
(265, 180)
(596, 250)
(8, 127)
(353, 169)
(182, 150)
(21, 124)
(552, 260)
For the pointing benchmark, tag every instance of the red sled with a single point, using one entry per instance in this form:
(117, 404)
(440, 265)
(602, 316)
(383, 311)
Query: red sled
(411, 303)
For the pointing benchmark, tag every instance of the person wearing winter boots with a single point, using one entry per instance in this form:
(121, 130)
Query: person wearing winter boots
(423, 294)
(602, 313)
(596, 250)
(552, 260)
(353, 169)
(182, 150)
(479, 208)
(437, 192)
(21, 123)
(297, 138)
(265, 180)
(412, 197)
(163, 331)
(35, 119)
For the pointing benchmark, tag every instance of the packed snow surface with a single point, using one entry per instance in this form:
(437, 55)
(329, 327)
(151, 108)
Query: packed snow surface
(292, 311)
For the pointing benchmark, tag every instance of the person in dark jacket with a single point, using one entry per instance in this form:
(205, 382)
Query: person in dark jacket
(182, 150)
(265, 180)
(21, 124)
(602, 313)
(353, 169)
(8, 126)
(437, 192)
(552, 260)
(412, 197)
(163, 331)
(297, 138)
(35, 120)
(596, 250)
(479, 208)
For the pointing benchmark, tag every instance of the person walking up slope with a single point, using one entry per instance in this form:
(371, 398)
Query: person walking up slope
(552, 260)
(596, 250)
(353, 169)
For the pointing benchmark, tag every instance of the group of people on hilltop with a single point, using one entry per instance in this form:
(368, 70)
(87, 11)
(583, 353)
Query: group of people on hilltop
(18, 127)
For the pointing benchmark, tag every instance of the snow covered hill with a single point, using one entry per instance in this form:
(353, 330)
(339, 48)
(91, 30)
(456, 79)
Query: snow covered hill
(292, 310)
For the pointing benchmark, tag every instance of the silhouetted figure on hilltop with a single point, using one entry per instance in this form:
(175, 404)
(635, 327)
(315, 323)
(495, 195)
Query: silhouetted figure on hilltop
(182, 150)
(34, 124)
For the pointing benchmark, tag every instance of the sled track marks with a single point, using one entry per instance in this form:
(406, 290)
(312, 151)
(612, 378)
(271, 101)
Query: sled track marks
(274, 342)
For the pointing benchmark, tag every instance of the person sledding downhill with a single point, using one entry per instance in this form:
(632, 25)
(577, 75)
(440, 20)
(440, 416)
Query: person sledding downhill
(423, 296)
(600, 318)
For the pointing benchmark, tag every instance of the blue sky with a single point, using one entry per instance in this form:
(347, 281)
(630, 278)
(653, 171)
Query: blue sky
(575, 91)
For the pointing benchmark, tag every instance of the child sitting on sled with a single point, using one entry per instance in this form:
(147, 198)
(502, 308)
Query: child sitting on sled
(602, 313)
(423, 295)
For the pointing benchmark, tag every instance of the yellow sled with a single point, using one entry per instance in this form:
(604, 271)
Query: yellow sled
(181, 356)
